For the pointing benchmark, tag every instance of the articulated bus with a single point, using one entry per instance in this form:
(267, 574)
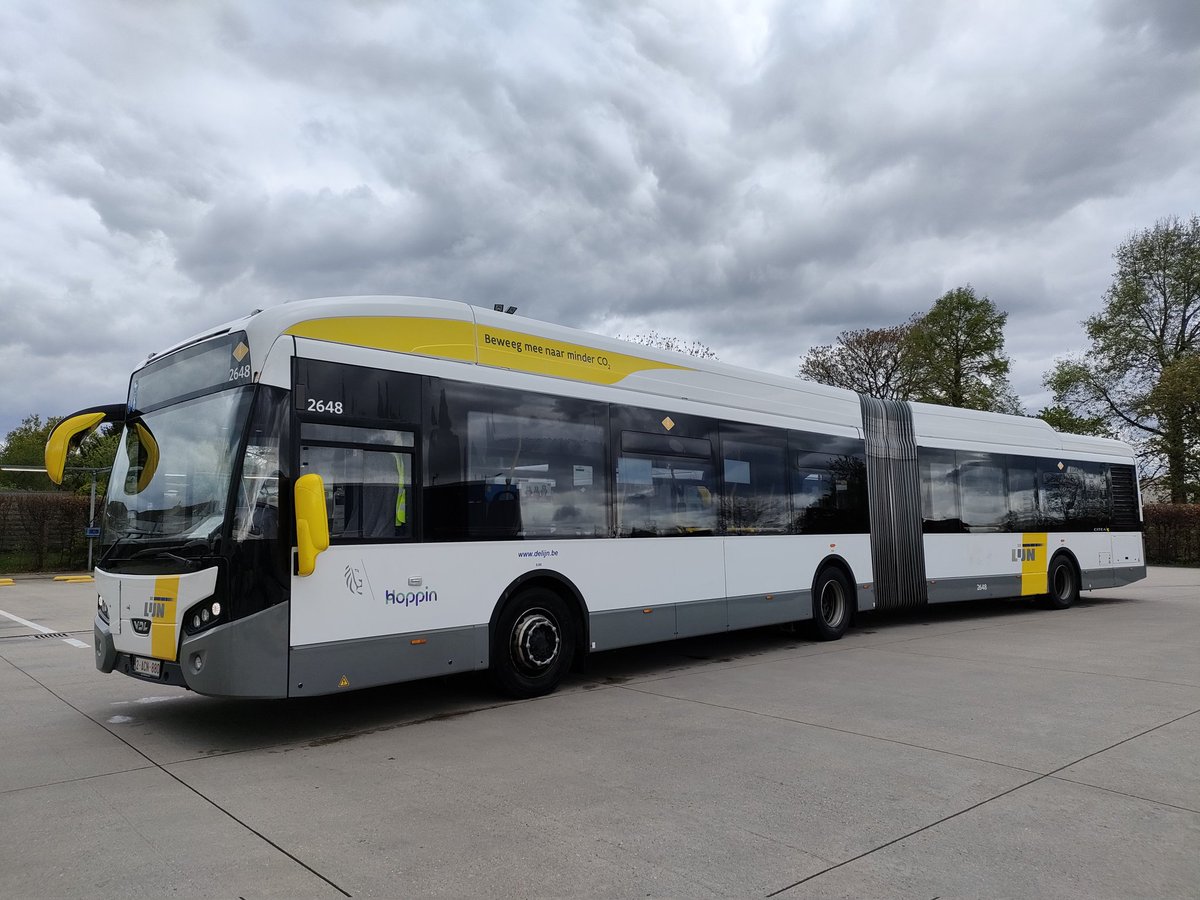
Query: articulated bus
(332, 494)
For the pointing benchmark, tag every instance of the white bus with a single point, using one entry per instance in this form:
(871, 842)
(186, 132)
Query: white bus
(338, 493)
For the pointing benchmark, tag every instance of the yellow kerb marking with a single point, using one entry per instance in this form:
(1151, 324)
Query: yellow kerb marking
(163, 630)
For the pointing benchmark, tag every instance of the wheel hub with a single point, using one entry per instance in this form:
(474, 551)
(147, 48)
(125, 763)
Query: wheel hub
(832, 604)
(1062, 583)
(536, 641)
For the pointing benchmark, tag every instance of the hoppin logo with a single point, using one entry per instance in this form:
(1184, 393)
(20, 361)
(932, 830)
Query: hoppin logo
(409, 598)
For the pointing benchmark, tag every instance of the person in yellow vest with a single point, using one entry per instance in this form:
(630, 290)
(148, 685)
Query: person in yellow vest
(384, 492)
(401, 495)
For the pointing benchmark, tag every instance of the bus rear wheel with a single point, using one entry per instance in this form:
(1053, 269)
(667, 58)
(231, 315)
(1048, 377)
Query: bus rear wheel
(1063, 584)
(533, 644)
(831, 604)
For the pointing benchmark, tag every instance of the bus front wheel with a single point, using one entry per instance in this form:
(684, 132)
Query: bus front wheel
(533, 645)
(832, 596)
(1063, 584)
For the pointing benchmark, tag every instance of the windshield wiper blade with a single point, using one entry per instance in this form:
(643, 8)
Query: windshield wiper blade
(111, 551)
(186, 562)
(191, 562)
(193, 544)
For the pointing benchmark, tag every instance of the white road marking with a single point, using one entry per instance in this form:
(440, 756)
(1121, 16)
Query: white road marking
(43, 629)
(155, 699)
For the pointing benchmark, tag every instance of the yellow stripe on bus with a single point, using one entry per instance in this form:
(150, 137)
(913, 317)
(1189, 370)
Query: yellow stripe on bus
(446, 338)
(544, 356)
(163, 631)
(488, 345)
(1033, 562)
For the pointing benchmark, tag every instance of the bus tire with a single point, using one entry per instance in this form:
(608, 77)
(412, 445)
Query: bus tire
(1063, 582)
(832, 598)
(533, 645)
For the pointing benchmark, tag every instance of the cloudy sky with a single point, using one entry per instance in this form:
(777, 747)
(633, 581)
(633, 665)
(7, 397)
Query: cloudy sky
(755, 175)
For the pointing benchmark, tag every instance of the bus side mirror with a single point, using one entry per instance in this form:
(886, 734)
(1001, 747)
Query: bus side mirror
(312, 522)
(148, 456)
(75, 428)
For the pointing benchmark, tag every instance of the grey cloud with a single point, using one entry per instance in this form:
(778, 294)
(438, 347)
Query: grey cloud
(1173, 24)
(759, 180)
(17, 102)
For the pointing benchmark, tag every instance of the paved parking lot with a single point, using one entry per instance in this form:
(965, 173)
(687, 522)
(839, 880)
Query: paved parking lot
(990, 750)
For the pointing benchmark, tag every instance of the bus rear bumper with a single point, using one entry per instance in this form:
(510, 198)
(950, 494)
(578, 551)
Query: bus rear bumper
(1119, 576)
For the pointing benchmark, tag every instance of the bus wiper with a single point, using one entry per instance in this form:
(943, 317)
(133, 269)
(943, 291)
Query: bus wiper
(133, 532)
(190, 562)
(173, 552)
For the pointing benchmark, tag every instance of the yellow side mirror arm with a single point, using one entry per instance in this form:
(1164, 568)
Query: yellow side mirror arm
(75, 428)
(312, 522)
(150, 465)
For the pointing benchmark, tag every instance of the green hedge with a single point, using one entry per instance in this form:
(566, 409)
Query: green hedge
(1172, 532)
(42, 530)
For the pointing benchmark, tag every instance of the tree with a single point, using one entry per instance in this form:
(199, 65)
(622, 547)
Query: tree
(25, 445)
(952, 355)
(1140, 372)
(667, 342)
(958, 350)
(1176, 398)
(873, 361)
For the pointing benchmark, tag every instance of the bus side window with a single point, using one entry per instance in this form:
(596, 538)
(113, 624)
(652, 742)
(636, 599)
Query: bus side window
(828, 492)
(665, 486)
(984, 493)
(368, 490)
(754, 496)
(256, 516)
(504, 464)
(939, 491)
(1022, 494)
(1075, 497)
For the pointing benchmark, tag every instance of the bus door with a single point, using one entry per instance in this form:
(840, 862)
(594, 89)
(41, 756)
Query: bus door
(368, 473)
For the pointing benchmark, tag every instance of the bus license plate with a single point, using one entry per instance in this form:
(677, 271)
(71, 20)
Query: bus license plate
(151, 667)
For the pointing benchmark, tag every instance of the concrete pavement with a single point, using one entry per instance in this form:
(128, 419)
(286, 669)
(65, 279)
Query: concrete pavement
(987, 750)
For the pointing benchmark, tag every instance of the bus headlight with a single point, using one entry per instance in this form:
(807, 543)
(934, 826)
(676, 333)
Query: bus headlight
(102, 609)
(201, 617)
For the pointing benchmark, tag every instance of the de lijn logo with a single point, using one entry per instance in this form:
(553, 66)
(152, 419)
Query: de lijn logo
(409, 598)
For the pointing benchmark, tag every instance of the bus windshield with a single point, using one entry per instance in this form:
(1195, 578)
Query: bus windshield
(185, 496)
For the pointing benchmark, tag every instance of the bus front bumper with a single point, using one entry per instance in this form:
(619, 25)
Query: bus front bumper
(106, 651)
(109, 659)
